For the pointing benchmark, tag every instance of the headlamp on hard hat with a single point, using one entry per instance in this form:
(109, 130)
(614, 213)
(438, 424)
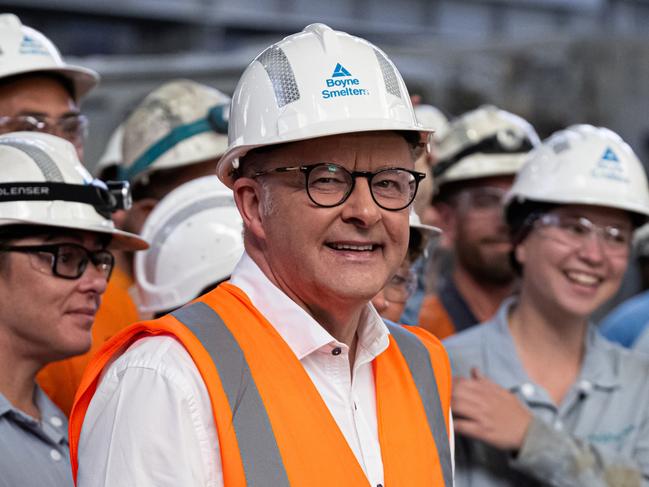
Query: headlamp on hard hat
(103, 198)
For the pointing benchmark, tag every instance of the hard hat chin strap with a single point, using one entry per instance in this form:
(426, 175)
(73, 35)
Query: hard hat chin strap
(215, 121)
(105, 198)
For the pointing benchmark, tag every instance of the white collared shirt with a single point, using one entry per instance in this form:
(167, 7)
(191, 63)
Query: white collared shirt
(150, 421)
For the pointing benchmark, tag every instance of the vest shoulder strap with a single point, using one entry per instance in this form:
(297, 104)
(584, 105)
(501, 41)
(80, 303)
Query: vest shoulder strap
(250, 420)
(418, 359)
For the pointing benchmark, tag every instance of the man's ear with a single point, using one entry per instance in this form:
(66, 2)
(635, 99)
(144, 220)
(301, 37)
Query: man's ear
(247, 196)
(520, 252)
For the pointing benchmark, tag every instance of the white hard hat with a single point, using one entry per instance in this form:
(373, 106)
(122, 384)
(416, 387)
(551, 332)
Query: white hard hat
(196, 240)
(24, 50)
(433, 118)
(315, 83)
(426, 232)
(181, 122)
(583, 165)
(43, 183)
(482, 143)
(112, 155)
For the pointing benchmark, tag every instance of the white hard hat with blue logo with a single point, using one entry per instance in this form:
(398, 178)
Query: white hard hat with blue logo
(24, 50)
(315, 83)
(584, 165)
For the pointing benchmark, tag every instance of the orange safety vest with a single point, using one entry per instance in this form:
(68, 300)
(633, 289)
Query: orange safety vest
(60, 379)
(280, 431)
(434, 318)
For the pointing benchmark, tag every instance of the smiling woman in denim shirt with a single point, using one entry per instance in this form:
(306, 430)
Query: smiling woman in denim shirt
(539, 397)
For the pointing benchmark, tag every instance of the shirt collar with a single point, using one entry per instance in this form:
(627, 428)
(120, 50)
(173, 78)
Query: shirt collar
(53, 423)
(300, 331)
(598, 368)
(5, 405)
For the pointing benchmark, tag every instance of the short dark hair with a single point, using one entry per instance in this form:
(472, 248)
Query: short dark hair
(65, 82)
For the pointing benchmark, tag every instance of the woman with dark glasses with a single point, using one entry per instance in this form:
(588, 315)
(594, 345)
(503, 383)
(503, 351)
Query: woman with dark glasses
(55, 262)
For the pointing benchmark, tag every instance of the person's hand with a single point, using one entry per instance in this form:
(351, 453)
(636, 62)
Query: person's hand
(485, 411)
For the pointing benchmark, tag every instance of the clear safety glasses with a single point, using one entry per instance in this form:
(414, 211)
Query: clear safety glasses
(73, 127)
(485, 198)
(400, 287)
(329, 184)
(577, 231)
(66, 260)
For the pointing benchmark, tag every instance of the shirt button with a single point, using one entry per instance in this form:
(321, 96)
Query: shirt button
(558, 425)
(527, 390)
(379, 485)
(336, 351)
(56, 456)
(56, 422)
(585, 386)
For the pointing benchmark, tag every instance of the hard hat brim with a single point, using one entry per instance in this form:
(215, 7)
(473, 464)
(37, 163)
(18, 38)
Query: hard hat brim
(120, 240)
(83, 79)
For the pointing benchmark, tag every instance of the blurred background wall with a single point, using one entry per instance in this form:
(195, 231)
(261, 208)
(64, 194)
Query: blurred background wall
(553, 62)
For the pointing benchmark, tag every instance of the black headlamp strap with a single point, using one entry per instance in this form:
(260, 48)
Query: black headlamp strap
(101, 199)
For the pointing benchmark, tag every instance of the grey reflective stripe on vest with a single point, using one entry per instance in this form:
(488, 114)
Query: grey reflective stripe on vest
(421, 369)
(250, 420)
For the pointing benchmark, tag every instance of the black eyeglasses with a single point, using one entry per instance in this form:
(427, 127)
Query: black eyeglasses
(329, 184)
(66, 260)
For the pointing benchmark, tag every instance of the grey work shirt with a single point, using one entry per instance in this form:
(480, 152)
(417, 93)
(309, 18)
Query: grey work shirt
(34, 453)
(597, 436)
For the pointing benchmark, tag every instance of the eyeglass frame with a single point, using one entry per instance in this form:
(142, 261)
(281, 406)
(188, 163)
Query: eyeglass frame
(308, 169)
(42, 124)
(410, 283)
(553, 220)
(53, 250)
(466, 197)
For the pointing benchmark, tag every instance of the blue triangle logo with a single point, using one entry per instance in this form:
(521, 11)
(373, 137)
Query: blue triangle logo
(340, 71)
(609, 155)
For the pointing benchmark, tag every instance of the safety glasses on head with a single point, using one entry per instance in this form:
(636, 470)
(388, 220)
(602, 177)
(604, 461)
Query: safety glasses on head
(66, 260)
(329, 185)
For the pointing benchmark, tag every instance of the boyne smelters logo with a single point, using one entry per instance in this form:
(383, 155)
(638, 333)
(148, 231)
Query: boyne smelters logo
(608, 166)
(343, 84)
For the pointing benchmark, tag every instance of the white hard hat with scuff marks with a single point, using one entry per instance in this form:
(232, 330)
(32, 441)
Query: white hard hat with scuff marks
(24, 50)
(196, 236)
(42, 183)
(180, 123)
(583, 165)
(315, 83)
(482, 143)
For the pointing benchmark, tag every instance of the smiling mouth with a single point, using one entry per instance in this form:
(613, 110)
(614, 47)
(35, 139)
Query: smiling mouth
(352, 247)
(583, 278)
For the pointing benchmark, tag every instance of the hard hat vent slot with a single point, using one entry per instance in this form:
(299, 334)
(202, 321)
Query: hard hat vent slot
(281, 75)
(389, 76)
(44, 162)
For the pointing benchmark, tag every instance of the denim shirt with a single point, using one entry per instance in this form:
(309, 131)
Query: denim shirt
(597, 436)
